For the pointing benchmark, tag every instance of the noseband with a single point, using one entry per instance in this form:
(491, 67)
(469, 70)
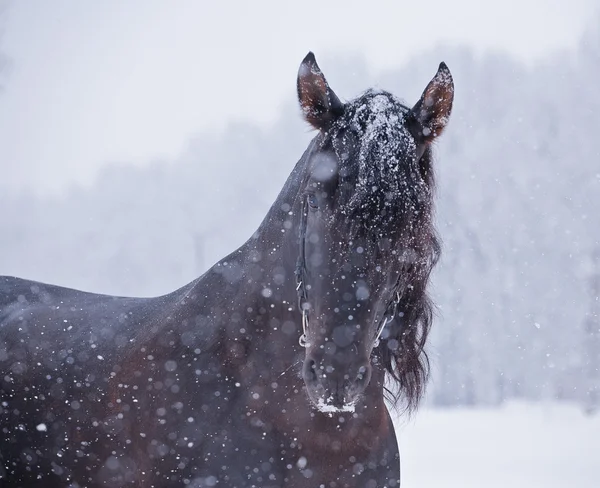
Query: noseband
(390, 311)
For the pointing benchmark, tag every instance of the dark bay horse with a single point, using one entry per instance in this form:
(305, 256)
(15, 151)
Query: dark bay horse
(268, 370)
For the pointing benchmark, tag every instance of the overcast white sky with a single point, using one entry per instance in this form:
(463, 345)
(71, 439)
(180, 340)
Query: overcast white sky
(112, 80)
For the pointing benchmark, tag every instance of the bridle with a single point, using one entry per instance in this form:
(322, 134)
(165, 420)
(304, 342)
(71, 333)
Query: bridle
(390, 311)
(301, 276)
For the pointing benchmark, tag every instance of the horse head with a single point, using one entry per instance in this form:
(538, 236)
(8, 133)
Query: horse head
(367, 243)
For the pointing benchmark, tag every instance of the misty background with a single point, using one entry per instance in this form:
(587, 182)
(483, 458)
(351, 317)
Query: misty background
(142, 142)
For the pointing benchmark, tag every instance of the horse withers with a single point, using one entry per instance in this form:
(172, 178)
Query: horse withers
(267, 371)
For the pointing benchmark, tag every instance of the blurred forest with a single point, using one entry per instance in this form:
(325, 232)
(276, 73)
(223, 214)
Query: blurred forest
(518, 210)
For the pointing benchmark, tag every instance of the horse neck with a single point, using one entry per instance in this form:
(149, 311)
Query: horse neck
(261, 272)
(268, 259)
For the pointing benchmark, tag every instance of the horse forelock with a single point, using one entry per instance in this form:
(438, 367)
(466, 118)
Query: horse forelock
(381, 187)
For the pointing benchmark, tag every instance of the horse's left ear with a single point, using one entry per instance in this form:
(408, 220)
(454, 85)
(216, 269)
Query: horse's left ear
(431, 113)
(320, 105)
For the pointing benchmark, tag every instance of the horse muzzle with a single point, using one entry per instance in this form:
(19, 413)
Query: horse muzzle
(335, 387)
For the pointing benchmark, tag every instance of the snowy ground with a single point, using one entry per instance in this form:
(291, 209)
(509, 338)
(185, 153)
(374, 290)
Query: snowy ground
(518, 446)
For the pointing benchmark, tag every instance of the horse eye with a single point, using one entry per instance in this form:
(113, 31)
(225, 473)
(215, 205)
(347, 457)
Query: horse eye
(312, 202)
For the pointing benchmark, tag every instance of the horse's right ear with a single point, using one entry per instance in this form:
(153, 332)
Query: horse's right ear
(320, 105)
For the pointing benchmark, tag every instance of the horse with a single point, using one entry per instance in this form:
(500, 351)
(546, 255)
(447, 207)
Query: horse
(273, 368)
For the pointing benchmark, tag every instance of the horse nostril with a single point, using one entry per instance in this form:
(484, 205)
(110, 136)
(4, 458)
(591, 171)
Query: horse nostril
(309, 372)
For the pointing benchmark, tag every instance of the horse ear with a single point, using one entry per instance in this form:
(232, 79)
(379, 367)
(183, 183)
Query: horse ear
(432, 111)
(320, 105)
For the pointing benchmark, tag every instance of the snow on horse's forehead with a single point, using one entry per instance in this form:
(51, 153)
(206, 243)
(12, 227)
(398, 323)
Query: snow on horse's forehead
(381, 174)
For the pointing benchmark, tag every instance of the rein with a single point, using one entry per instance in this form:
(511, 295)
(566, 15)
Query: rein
(300, 273)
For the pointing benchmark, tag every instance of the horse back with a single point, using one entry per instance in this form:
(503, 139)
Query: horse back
(44, 309)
